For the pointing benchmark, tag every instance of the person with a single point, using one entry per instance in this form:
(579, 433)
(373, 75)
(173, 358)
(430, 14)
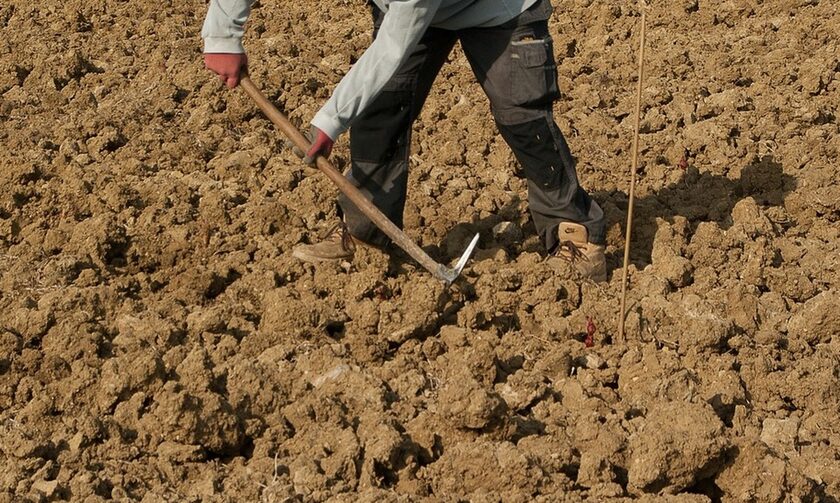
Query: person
(510, 51)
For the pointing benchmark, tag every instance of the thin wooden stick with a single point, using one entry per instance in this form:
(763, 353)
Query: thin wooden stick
(634, 168)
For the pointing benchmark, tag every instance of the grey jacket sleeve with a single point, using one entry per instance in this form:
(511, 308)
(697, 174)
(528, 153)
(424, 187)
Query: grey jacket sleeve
(403, 26)
(224, 25)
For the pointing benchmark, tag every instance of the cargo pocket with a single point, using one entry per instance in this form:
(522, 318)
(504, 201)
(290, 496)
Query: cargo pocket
(533, 72)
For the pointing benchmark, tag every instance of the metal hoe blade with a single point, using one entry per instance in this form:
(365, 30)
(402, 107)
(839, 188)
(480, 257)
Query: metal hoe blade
(448, 275)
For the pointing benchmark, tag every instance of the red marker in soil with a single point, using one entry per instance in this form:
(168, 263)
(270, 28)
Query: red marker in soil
(683, 164)
(589, 341)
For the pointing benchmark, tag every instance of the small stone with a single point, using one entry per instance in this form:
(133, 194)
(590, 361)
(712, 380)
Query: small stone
(781, 435)
(555, 366)
(76, 442)
(47, 487)
(507, 233)
(593, 362)
(330, 375)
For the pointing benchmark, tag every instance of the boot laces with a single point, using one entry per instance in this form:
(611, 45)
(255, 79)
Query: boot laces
(338, 232)
(569, 251)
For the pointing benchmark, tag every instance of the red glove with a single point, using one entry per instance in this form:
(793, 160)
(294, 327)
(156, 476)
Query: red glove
(228, 67)
(322, 145)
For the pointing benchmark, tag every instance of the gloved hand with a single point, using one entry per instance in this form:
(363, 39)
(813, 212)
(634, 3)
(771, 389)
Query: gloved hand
(321, 145)
(228, 67)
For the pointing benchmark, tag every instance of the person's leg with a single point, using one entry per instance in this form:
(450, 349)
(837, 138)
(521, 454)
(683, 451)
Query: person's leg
(516, 67)
(380, 138)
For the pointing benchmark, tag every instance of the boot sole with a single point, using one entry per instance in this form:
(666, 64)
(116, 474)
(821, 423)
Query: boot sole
(304, 256)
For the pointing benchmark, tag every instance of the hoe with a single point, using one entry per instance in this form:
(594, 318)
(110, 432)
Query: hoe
(439, 271)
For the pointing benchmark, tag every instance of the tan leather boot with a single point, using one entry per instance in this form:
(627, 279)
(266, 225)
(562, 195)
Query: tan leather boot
(337, 244)
(574, 247)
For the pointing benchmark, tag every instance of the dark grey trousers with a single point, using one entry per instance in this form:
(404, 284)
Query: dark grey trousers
(515, 65)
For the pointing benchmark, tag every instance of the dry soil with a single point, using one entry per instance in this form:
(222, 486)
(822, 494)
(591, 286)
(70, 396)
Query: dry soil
(159, 342)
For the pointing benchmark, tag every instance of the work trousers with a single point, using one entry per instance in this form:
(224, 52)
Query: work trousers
(515, 65)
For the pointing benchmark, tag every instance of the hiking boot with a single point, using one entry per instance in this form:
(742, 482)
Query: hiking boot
(335, 244)
(574, 247)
